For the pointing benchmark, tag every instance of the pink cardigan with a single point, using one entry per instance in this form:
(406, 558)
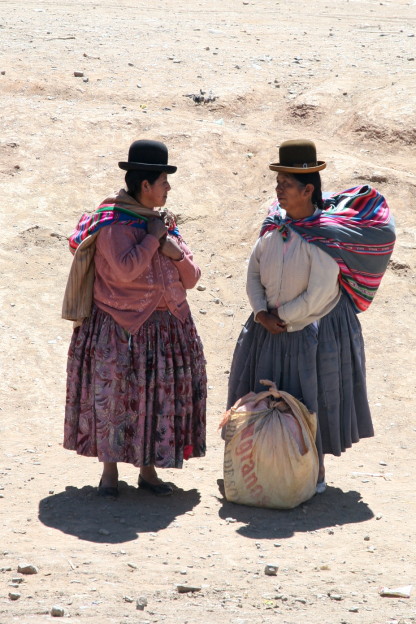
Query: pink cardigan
(133, 278)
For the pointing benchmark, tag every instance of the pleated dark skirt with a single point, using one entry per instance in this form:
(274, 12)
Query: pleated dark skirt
(323, 367)
(139, 399)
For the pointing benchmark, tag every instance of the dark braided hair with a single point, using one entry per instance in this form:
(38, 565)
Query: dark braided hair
(315, 179)
(134, 179)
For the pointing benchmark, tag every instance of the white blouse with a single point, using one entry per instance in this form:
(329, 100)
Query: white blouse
(296, 277)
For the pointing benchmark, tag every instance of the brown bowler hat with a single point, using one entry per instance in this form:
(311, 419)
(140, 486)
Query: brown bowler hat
(298, 156)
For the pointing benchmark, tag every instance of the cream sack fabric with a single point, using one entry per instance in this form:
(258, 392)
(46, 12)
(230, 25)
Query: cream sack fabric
(270, 457)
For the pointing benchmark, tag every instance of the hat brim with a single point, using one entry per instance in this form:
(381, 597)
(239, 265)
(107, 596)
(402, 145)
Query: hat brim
(135, 166)
(285, 169)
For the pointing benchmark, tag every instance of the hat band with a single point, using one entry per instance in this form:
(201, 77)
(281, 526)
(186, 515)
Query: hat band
(303, 165)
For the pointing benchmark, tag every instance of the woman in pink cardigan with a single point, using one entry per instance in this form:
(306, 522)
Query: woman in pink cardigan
(136, 386)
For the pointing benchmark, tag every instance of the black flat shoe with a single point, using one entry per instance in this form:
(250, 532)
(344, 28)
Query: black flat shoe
(161, 489)
(107, 491)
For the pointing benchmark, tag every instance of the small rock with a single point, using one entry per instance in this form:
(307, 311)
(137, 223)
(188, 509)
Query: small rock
(132, 565)
(14, 595)
(141, 603)
(78, 74)
(201, 287)
(378, 177)
(379, 516)
(230, 520)
(353, 609)
(335, 596)
(128, 599)
(85, 79)
(202, 311)
(27, 568)
(57, 611)
(184, 589)
(271, 569)
(366, 538)
(3, 73)
(17, 579)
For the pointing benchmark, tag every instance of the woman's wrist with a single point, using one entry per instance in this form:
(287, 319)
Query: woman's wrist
(261, 315)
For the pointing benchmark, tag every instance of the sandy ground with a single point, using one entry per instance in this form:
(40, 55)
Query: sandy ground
(337, 71)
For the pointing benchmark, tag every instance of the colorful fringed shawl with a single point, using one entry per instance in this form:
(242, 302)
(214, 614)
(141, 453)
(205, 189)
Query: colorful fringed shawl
(120, 208)
(108, 214)
(356, 229)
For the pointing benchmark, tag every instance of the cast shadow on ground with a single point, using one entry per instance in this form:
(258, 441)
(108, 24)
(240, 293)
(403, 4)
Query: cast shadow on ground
(80, 512)
(333, 508)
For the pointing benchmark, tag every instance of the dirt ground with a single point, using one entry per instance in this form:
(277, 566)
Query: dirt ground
(341, 72)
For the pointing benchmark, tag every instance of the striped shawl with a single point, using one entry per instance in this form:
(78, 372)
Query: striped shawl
(356, 229)
(121, 209)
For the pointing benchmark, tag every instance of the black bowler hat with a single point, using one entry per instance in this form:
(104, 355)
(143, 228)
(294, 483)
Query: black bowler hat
(298, 156)
(146, 155)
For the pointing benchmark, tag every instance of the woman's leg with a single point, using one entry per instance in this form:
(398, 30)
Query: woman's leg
(109, 477)
(149, 474)
(321, 473)
(148, 480)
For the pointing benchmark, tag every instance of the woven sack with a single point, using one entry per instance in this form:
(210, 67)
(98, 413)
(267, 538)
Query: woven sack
(270, 456)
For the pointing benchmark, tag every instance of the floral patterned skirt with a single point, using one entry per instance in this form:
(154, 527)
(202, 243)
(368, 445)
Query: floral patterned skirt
(139, 398)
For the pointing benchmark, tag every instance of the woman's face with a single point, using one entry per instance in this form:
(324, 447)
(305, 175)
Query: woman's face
(292, 196)
(155, 195)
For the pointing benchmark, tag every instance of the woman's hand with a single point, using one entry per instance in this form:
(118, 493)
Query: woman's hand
(156, 228)
(170, 248)
(271, 322)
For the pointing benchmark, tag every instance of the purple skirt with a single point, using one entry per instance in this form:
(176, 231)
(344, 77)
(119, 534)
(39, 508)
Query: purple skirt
(138, 398)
